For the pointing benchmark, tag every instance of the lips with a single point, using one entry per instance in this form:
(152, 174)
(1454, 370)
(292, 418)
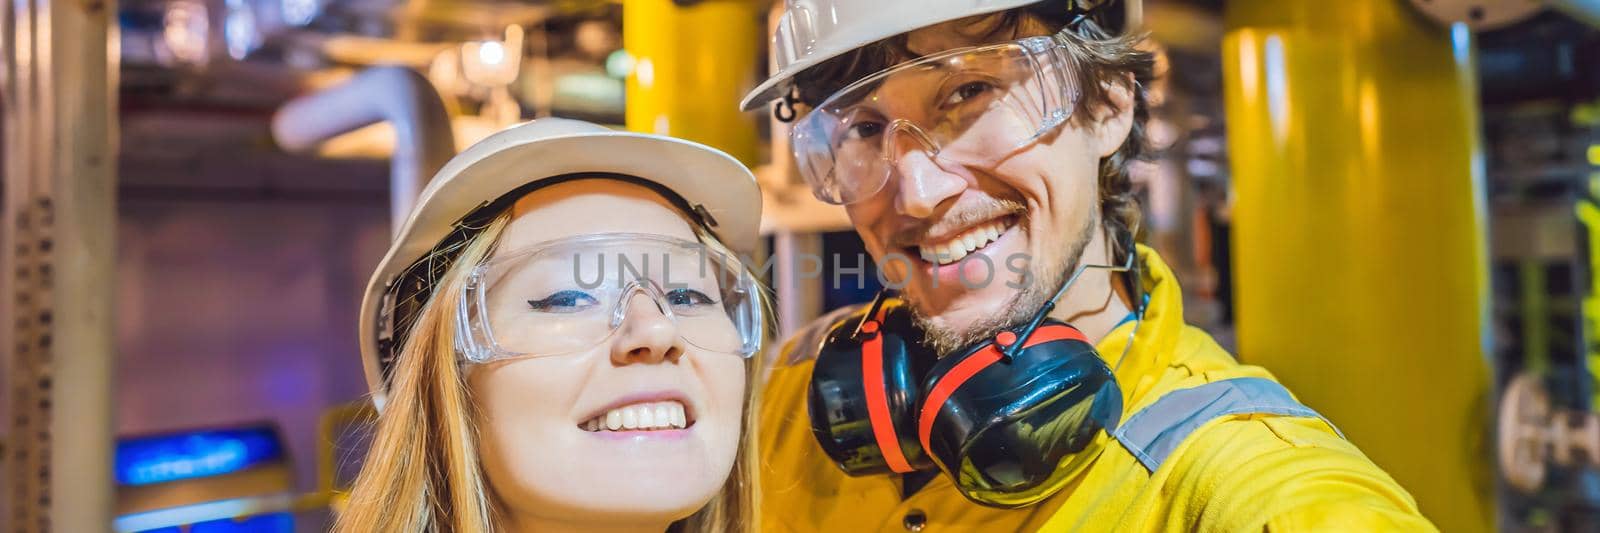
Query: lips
(953, 249)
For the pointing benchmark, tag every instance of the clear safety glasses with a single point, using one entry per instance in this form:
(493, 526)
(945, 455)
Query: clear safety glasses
(570, 295)
(968, 106)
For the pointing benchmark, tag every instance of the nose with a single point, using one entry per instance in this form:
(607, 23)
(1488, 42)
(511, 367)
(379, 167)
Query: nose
(646, 335)
(921, 184)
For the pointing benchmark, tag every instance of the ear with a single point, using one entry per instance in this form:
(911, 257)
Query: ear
(1113, 123)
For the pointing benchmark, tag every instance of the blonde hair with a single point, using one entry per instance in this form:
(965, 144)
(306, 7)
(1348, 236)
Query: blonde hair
(422, 472)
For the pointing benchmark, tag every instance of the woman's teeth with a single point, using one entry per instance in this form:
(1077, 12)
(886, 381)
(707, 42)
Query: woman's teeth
(967, 242)
(640, 416)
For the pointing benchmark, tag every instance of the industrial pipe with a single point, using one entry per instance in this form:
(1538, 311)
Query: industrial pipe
(423, 140)
(684, 75)
(1361, 271)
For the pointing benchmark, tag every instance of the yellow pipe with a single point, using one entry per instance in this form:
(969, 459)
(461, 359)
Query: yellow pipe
(1360, 242)
(691, 66)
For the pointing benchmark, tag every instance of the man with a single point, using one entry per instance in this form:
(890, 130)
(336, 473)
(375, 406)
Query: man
(1019, 149)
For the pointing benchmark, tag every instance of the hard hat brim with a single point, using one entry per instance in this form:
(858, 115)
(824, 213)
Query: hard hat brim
(848, 35)
(513, 159)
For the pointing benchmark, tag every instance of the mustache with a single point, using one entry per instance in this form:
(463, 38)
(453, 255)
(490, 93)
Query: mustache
(958, 219)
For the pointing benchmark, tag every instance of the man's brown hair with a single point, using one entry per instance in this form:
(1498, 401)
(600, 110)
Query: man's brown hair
(1100, 57)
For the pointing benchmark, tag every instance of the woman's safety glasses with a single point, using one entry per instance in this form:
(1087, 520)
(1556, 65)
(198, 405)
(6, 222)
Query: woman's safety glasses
(968, 106)
(569, 295)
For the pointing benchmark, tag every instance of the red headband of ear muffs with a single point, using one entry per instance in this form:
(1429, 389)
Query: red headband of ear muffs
(1009, 419)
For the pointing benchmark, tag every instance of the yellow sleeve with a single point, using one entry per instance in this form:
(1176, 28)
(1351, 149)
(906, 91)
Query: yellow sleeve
(1283, 474)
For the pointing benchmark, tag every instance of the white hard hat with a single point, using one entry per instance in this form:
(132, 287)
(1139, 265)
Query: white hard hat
(813, 31)
(716, 189)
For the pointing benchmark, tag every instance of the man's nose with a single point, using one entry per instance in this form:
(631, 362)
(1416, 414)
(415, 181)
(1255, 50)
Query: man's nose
(920, 183)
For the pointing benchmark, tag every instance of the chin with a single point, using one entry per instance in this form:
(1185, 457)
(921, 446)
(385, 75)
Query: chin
(969, 310)
(968, 317)
(637, 493)
(580, 477)
(664, 499)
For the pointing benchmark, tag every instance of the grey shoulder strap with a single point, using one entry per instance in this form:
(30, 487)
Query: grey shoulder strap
(1155, 431)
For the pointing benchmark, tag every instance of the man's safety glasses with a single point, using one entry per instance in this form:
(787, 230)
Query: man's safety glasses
(966, 107)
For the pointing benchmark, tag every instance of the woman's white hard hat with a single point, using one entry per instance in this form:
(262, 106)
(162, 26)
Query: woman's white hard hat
(813, 31)
(718, 189)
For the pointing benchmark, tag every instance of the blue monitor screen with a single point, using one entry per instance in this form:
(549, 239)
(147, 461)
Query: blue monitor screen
(177, 456)
(267, 523)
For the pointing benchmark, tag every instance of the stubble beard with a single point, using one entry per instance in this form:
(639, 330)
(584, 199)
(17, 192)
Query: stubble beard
(1018, 309)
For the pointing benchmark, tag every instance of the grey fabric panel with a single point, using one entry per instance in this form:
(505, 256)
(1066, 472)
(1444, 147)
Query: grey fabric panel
(1155, 431)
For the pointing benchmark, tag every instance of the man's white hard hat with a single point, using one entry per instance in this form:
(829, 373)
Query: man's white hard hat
(716, 190)
(813, 31)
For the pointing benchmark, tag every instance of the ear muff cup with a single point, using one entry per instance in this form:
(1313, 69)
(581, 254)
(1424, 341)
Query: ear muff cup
(1012, 432)
(863, 393)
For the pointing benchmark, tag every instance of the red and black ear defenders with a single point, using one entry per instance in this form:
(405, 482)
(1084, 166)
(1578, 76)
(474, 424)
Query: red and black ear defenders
(1007, 418)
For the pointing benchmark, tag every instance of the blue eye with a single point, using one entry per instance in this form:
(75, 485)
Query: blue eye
(688, 298)
(567, 301)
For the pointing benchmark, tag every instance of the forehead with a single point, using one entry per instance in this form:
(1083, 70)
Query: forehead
(590, 206)
(977, 30)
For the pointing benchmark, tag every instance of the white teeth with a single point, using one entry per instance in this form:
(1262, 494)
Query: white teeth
(662, 416)
(961, 245)
(640, 416)
(647, 418)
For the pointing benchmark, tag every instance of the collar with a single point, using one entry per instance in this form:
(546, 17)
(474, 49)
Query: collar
(1154, 338)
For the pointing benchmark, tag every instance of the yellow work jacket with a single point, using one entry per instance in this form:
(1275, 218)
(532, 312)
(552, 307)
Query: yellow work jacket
(1248, 472)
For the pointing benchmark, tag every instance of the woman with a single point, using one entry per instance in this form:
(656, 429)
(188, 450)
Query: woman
(560, 340)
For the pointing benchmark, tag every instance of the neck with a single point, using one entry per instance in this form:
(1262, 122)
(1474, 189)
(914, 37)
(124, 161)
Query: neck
(526, 523)
(1096, 303)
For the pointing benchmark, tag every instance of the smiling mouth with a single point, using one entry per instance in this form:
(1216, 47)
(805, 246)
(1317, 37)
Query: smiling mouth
(952, 250)
(647, 416)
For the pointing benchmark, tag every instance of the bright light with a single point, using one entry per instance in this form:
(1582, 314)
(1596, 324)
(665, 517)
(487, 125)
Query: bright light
(299, 12)
(239, 29)
(491, 53)
(185, 31)
(493, 62)
(646, 72)
(619, 64)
